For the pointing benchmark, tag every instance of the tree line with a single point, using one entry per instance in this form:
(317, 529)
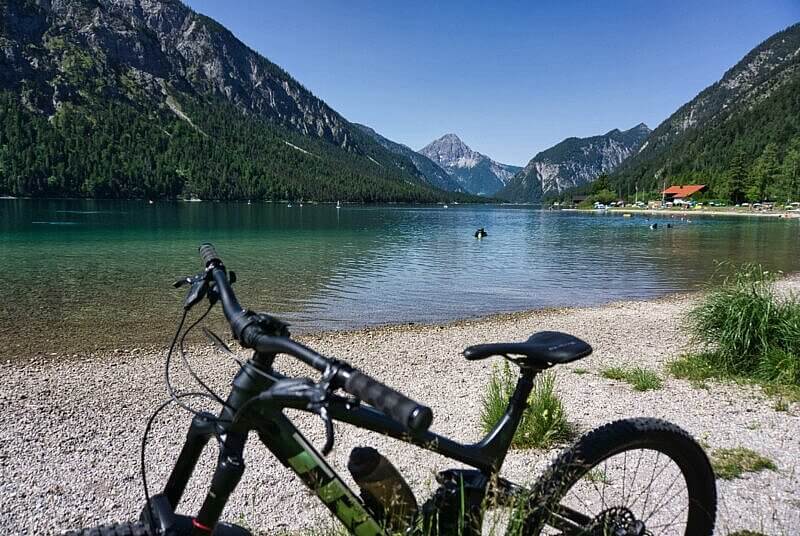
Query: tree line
(116, 150)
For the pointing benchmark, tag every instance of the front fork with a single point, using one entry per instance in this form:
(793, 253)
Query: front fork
(249, 382)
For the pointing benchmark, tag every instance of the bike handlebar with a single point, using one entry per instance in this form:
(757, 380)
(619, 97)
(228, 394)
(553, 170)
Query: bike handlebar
(250, 334)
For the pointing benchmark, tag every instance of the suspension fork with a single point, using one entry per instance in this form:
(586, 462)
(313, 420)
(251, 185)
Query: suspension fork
(249, 382)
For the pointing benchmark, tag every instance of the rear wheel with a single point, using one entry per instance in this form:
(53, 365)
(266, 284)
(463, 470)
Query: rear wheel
(116, 529)
(635, 477)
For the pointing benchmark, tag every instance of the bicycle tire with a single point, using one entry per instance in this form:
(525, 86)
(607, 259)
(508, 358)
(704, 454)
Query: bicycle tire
(114, 529)
(619, 437)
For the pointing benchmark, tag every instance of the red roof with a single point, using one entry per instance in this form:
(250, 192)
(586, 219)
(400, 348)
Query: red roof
(684, 191)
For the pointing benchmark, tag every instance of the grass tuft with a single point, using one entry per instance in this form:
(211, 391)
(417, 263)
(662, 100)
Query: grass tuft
(544, 422)
(733, 463)
(641, 379)
(747, 329)
(746, 332)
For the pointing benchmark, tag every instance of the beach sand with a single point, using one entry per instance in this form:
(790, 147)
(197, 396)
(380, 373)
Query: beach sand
(69, 436)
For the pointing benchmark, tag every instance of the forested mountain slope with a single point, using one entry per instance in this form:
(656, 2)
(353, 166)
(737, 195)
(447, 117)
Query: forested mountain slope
(146, 98)
(740, 135)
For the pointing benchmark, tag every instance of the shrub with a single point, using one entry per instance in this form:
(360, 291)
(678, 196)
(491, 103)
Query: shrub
(641, 379)
(747, 330)
(543, 423)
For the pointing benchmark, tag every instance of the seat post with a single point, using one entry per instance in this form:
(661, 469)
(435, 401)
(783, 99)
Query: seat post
(496, 444)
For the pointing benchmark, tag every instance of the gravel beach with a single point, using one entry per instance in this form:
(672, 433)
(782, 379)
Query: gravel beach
(69, 436)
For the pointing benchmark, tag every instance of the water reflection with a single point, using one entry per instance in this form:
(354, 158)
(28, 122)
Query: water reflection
(323, 267)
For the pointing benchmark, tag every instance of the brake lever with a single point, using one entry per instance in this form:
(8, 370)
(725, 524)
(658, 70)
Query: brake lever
(329, 438)
(198, 290)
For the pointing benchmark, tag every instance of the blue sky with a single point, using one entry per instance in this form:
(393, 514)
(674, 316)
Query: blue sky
(510, 78)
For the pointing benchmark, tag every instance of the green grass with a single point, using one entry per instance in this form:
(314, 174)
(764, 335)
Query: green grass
(745, 328)
(733, 463)
(745, 332)
(597, 476)
(580, 371)
(699, 368)
(544, 422)
(641, 379)
(781, 405)
(746, 533)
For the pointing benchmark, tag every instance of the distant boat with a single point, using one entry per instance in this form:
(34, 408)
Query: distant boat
(445, 206)
(289, 205)
(248, 202)
(151, 201)
(338, 205)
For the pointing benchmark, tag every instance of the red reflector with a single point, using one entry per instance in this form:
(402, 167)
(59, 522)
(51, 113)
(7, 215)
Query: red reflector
(200, 526)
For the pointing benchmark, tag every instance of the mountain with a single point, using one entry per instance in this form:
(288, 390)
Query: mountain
(733, 134)
(432, 173)
(572, 163)
(476, 173)
(146, 98)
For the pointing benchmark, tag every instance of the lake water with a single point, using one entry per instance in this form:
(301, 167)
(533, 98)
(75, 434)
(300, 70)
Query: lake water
(81, 275)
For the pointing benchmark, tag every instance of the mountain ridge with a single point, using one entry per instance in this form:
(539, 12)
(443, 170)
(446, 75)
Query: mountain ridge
(475, 172)
(427, 168)
(177, 75)
(573, 162)
(752, 106)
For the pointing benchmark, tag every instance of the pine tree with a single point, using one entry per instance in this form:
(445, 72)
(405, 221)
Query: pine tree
(790, 171)
(734, 185)
(764, 172)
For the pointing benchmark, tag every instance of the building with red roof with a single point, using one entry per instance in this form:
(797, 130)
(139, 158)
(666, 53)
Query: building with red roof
(684, 192)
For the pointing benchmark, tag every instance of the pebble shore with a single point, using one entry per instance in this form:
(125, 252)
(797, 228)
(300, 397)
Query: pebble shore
(70, 431)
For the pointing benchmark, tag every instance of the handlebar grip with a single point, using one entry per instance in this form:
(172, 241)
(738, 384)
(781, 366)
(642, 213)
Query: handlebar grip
(209, 254)
(414, 416)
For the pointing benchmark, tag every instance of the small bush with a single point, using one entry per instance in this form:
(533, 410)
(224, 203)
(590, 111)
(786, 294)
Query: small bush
(544, 421)
(746, 329)
(640, 378)
(733, 463)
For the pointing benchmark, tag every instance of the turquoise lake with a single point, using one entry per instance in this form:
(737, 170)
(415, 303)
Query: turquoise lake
(86, 275)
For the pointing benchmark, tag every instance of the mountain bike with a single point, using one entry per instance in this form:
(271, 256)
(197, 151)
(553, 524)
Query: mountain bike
(633, 477)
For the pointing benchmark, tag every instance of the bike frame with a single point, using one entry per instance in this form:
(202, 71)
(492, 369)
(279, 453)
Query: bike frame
(290, 447)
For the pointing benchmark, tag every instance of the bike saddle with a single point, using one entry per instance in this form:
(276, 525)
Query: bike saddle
(542, 350)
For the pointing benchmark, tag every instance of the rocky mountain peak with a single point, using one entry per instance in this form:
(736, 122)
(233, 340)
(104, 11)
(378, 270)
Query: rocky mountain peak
(144, 52)
(450, 151)
(478, 173)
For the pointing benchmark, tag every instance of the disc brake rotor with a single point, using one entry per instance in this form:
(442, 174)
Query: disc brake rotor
(617, 521)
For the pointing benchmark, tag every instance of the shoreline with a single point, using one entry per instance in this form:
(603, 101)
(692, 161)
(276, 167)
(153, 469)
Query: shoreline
(693, 212)
(357, 331)
(71, 441)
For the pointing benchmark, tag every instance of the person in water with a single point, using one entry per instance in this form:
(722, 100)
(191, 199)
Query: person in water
(480, 233)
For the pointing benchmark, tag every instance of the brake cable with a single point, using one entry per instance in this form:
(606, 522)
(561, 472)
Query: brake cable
(189, 367)
(142, 467)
